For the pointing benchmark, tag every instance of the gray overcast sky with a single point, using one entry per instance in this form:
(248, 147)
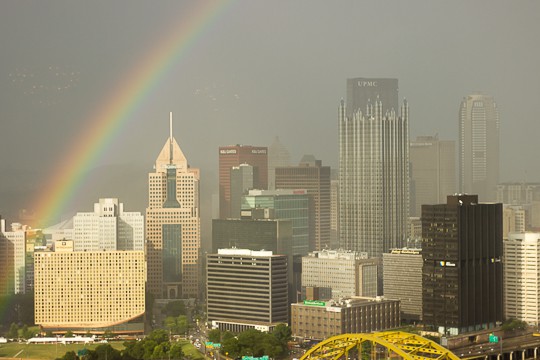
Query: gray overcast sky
(259, 69)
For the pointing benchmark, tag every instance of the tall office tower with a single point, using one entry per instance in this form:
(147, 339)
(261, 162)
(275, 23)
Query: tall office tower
(246, 290)
(290, 205)
(518, 193)
(278, 156)
(173, 225)
(479, 146)
(315, 178)
(284, 204)
(234, 155)
(433, 171)
(334, 213)
(89, 290)
(361, 91)
(373, 178)
(462, 273)
(108, 227)
(522, 277)
(241, 183)
(347, 273)
(402, 280)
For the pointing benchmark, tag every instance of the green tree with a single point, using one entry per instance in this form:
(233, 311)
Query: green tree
(175, 308)
(26, 333)
(214, 335)
(176, 352)
(70, 355)
(283, 334)
(230, 345)
(133, 349)
(159, 336)
(149, 346)
(176, 325)
(13, 332)
(69, 333)
(161, 351)
(104, 352)
(108, 334)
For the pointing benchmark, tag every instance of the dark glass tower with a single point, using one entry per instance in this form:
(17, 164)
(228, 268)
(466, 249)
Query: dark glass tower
(462, 272)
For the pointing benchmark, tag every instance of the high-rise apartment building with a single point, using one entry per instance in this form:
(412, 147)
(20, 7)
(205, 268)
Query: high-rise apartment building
(433, 171)
(315, 178)
(479, 146)
(347, 273)
(108, 227)
(373, 177)
(173, 225)
(514, 219)
(462, 273)
(89, 290)
(234, 155)
(278, 156)
(246, 289)
(522, 277)
(402, 280)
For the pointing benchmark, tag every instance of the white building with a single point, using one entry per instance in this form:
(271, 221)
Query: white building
(347, 273)
(108, 227)
(522, 277)
(13, 262)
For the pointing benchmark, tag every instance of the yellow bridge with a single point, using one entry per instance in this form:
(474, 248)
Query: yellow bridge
(381, 345)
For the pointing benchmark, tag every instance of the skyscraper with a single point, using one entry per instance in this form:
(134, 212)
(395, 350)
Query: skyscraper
(234, 155)
(173, 225)
(479, 146)
(462, 277)
(278, 156)
(315, 178)
(373, 176)
(433, 171)
(241, 183)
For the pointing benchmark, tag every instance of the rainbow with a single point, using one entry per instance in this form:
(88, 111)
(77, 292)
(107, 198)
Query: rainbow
(117, 110)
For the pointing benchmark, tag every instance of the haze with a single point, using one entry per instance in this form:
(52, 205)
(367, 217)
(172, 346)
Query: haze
(256, 71)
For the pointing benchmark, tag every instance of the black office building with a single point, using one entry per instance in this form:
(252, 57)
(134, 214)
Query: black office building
(462, 272)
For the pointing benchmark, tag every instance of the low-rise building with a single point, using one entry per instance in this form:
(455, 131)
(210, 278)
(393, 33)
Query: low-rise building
(316, 319)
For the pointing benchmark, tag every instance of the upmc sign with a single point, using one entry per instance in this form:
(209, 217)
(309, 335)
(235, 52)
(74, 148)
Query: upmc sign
(364, 83)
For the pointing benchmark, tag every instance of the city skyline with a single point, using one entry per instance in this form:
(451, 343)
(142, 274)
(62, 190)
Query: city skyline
(273, 79)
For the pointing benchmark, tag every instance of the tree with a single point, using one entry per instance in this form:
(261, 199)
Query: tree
(176, 352)
(161, 351)
(283, 334)
(26, 333)
(176, 325)
(214, 335)
(158, 336)
(175, 308)
(70, 355)
(108, 334)
(13, 332)
(104, 352)
(69, 333)
(134, 349)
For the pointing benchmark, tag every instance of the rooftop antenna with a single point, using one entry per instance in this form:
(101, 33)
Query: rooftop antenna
(170, 139)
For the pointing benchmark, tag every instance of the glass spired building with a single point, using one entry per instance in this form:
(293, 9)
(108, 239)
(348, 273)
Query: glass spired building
(373, 171)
